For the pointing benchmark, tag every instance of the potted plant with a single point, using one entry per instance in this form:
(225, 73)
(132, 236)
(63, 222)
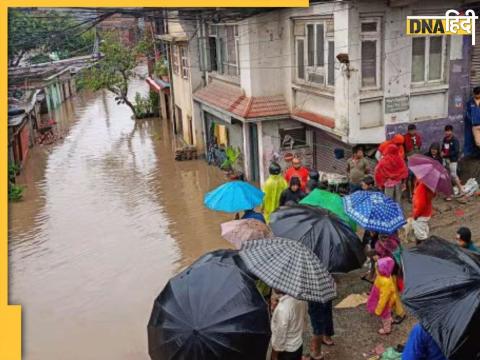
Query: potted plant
(161, 70)
(230, 164)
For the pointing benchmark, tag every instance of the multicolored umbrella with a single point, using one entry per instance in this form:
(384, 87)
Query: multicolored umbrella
(239, 231)
(334, 242)
(374, 211)
(330, 201)
(213, 311)
(233, 197)
(431, 173)
(290, 267)
(442, 289)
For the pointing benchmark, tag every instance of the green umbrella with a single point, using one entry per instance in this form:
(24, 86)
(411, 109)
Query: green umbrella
(330, 201)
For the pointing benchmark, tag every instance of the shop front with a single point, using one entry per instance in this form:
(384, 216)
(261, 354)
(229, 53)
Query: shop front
(222, 132)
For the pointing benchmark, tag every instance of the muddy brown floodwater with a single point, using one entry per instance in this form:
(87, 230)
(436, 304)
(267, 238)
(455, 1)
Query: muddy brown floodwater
(108, 217)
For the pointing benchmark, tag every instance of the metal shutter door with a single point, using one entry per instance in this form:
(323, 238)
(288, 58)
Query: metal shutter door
(475, 66)
(324, 145)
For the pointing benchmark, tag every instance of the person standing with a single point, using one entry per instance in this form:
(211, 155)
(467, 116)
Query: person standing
(299, 171)
(357, 168)
(287, 328)
(472, 124)
(413, 141)
(464, 239)
(384, 298)
(312, 183)
(390, 172)
(321, 319)
(413, 145)
(273, 188)
(434, 152)
(397, 140)
(450, 154)
(422, 210)
(293, 194)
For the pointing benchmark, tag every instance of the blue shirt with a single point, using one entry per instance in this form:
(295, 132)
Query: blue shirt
(421, 346)
(473, 248)
(249, 214)
(472, 112)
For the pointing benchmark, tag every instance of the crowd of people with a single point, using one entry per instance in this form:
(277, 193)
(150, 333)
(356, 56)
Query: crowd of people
(391, 176)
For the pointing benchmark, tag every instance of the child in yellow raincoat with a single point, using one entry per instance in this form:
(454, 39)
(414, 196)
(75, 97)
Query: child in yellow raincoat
(273, 188)
(384, 297)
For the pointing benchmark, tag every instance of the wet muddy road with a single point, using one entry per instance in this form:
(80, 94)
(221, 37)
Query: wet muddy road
(108, 216)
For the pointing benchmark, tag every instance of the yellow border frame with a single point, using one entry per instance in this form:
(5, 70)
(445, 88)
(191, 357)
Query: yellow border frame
(10, 315)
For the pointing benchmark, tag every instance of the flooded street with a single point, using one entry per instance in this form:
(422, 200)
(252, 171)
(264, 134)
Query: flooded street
(108, 216)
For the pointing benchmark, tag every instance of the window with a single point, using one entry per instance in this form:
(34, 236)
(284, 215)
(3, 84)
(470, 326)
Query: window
(370, 36)
(293, 138)
(175, 60)
(300, 59)
(428, 59)
(222, 49)
(315, 52)
(184, 61)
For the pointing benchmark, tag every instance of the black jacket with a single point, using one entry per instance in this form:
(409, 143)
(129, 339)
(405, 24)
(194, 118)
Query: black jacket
(289, 195)
(453, 148)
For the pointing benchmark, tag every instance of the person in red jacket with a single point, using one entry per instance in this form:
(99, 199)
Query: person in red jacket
(413, 145)
(398, 140)
(297, 170)
(390, 173)
(413, 141)
(422, 210)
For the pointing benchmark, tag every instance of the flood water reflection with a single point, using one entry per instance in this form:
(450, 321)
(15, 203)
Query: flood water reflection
(108, 216)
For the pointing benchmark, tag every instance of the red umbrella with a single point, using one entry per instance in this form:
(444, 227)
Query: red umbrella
(431, 173)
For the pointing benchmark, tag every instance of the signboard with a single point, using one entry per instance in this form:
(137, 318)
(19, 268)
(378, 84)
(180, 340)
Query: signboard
(397, 104)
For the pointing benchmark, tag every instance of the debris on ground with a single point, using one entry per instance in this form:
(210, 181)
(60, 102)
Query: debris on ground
(352, 301)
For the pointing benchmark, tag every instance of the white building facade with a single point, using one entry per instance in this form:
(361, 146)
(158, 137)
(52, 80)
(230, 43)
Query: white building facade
(305, 82)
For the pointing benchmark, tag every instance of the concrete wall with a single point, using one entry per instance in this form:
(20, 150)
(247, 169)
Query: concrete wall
(269, 143)
(428, 105)
(261, 53)
(267, 67)
(457, 94)
(184, 88)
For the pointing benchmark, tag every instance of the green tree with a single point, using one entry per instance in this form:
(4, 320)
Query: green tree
(37, 34)
(22, 35)
(114, 70)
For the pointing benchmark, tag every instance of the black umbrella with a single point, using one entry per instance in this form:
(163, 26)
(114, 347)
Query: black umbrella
(334, 242)
(442, 289)
(212, 310)
(226, 256)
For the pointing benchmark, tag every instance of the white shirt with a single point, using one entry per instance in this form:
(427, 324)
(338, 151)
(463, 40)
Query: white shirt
(287, 324)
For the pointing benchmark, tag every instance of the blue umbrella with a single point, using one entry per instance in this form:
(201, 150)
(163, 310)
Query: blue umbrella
(234, 196)
(374, 211)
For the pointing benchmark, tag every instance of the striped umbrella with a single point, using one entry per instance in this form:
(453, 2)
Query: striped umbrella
(290, 267)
